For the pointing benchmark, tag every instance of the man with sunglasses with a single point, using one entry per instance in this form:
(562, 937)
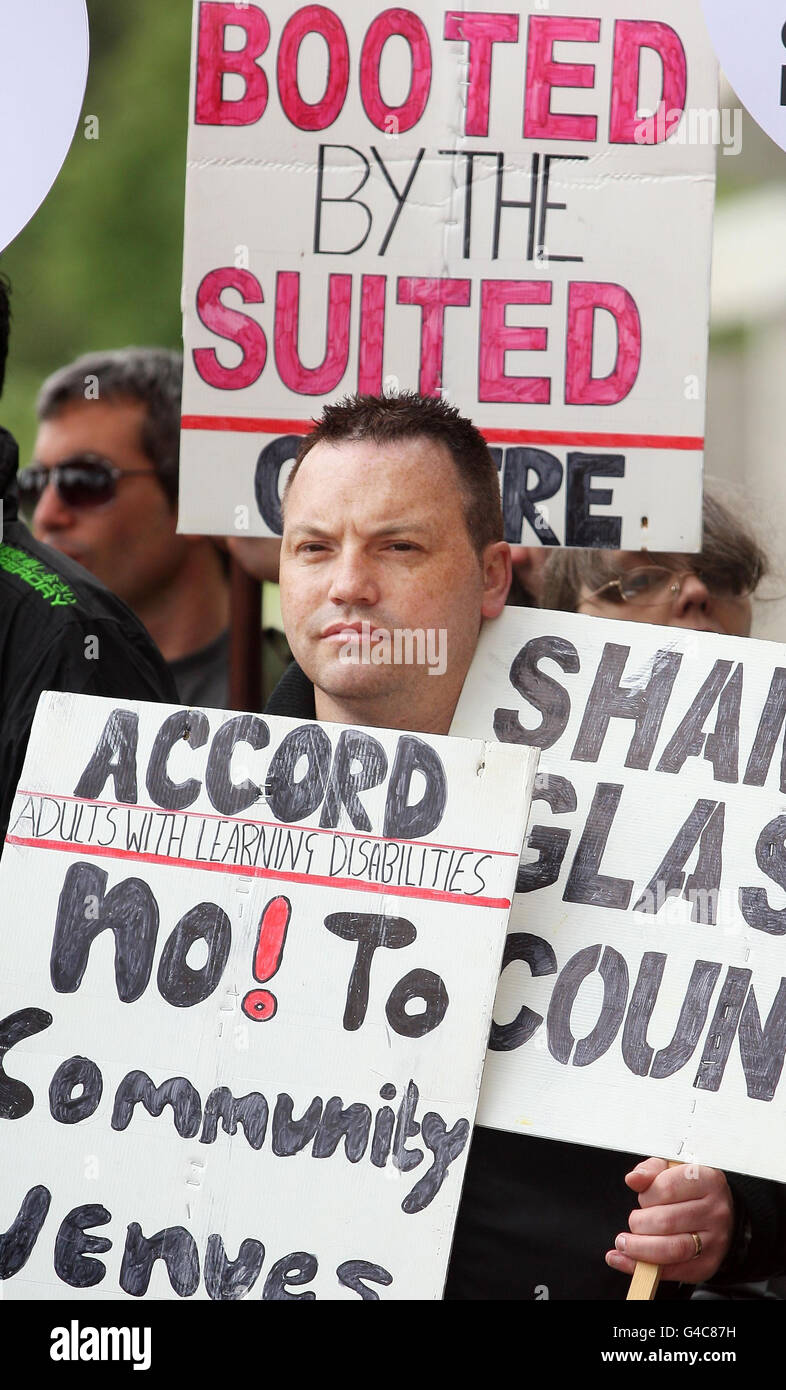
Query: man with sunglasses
(103, 489)
(59, 628)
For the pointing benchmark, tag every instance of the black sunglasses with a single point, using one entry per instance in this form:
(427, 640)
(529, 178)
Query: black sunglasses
(84, 481)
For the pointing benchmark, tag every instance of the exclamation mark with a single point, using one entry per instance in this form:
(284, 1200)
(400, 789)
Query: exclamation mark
(260, 1004)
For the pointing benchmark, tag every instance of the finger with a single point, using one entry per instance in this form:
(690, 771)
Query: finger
(693, 1271)
(671, 1220)
(641, 1177)
(684, 1183)
(661, 1250)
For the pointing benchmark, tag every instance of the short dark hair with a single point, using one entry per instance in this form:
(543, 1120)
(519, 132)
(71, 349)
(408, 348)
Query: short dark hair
(153, 376)
(391, 419)
(5, 325)
(729, 550)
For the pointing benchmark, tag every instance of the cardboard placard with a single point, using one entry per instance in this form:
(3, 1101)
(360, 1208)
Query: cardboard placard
(473, 203)
(248, 974)
(642, 1006)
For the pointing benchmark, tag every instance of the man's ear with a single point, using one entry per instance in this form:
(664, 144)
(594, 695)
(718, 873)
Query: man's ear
(529, 567)
(497, 577)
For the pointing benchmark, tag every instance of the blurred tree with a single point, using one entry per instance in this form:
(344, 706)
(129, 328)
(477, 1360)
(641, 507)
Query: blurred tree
(100, 263)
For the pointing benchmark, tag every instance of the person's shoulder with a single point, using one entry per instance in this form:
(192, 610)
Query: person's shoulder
(33, 575)
(293, 696)
(54, 582)
(58, 623)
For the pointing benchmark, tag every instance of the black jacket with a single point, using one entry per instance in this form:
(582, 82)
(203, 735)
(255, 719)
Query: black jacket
(537, 1216)
(60, 629)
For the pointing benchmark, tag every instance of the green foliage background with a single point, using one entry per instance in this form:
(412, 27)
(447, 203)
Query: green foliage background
(100, 264)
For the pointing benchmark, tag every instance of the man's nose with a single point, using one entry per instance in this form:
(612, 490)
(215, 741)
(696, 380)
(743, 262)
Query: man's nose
(353, 579)
(51, 512)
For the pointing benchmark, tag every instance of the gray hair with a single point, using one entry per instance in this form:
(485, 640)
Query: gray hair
(153, 376)
(730, 553)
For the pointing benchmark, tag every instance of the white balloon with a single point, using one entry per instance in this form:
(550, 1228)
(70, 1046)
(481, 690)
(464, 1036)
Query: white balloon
(44, 52)
(748, 37)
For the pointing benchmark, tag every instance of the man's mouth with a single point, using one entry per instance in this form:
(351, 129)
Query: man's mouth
(348, 631)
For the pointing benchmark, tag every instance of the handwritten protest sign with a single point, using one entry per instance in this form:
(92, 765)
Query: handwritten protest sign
(513, 209)
(642, 1005)
(242, 1030)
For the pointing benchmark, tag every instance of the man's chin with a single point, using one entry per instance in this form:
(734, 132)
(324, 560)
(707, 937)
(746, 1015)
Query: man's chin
(358, 681)
(71, 552)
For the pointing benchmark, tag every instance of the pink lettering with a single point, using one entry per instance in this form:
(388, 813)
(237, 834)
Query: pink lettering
(581, 387)
(433, 296)
(543, 73)
(213, 61)
(372, 334)
(480, 32)
(313, 19)
(312, 381)
(395, 119)
(630, 37)
(234, 326)
(498, 338)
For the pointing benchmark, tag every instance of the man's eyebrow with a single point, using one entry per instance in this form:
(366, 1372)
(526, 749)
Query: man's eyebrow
(386, 528)
(397, 528)
(308, 529)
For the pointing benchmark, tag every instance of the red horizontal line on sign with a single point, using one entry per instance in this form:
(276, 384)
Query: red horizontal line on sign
(269, 824)
(246, 871)
(598, 441)
(244, 424)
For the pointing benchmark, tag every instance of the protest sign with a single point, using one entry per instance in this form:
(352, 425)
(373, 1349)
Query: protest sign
(242, 1030)
(750, 41)
(43, 72)
(642, 1004)
(511, 209)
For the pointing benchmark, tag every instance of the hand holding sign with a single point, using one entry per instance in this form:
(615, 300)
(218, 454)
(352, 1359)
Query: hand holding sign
(675, 1202)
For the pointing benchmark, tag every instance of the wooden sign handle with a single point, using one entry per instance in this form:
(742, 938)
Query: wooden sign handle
(645, 1278)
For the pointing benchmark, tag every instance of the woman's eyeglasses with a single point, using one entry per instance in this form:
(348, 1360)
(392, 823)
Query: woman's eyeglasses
(654, 583)
(81, 482)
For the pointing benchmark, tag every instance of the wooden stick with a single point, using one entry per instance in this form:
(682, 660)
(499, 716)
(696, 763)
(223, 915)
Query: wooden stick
(646, 1278)
(644, 1282)
(245, 649)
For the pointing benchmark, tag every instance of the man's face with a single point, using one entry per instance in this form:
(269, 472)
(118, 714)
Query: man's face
(675, 598)
(129, 542)
(376, 535)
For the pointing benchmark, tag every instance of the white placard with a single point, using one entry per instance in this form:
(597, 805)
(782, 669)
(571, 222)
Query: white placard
(643, 1007)
(750, 41)
(484, 204)
(44, 49)
(248, 1018)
